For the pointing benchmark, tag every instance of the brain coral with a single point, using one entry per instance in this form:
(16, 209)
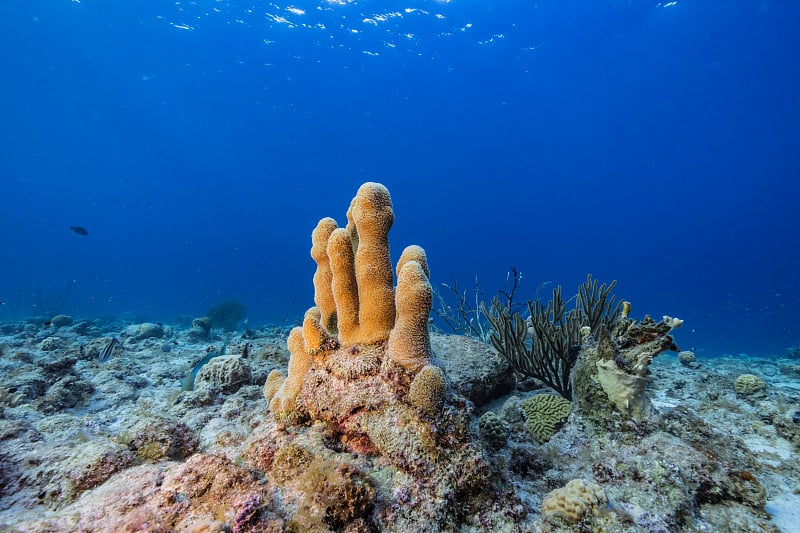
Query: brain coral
(545, 414)
(748, 384)
(578, 501)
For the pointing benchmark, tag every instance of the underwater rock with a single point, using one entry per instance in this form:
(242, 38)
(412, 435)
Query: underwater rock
(10, 329)
(92, 464)
(790, 370)
(50, 344)
(329, 492)
(200, 330)
(67, 392)
(224, 373)
(61, 321)
(475, 370)
(208, 487)
(84, 327)
(148, 330)
(198, 495)
(688, 359)
(153, 439)
(10, 397)
(54, 369)
(27, 386)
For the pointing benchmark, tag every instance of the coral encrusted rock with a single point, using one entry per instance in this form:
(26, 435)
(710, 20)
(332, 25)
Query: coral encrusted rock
(227, 374)
(362, 379)
(612, 369)
(573, 507)
(148, 330)
(747, 384)
(427, 390)
(493, 430)
(61, 321)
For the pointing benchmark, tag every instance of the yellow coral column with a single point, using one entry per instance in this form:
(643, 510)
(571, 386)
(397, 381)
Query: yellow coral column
(409, 341)
(323, 278)
(343, 285)
(416, 253)
(283, 401)
(372, 215)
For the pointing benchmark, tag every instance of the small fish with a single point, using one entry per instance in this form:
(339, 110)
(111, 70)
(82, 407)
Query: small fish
(108, 350)
(80, 230)
(48, 324)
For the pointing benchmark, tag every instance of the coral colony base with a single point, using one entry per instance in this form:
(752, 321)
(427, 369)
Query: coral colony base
(375, 424)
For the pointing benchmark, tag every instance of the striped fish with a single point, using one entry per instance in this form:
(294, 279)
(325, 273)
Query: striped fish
(108, 350)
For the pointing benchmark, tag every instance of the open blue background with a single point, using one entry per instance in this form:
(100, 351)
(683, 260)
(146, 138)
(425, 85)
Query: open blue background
(657, 143)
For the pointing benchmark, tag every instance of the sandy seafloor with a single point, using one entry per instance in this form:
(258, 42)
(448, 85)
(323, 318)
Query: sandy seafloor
(77, 433)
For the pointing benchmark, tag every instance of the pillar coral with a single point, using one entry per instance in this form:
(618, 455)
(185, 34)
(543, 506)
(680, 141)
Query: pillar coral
(323, 277)
(356, 304)
(362, 381)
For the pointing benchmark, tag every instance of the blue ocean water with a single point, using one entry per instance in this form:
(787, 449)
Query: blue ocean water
(656, 143)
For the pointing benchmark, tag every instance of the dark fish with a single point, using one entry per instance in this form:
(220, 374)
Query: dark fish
(108, 350)
(48, 323)
(79, 230)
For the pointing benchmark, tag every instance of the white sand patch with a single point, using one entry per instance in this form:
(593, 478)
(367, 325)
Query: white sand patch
(663, 405)
(786, 385)
(780, 450)
(785, 511)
